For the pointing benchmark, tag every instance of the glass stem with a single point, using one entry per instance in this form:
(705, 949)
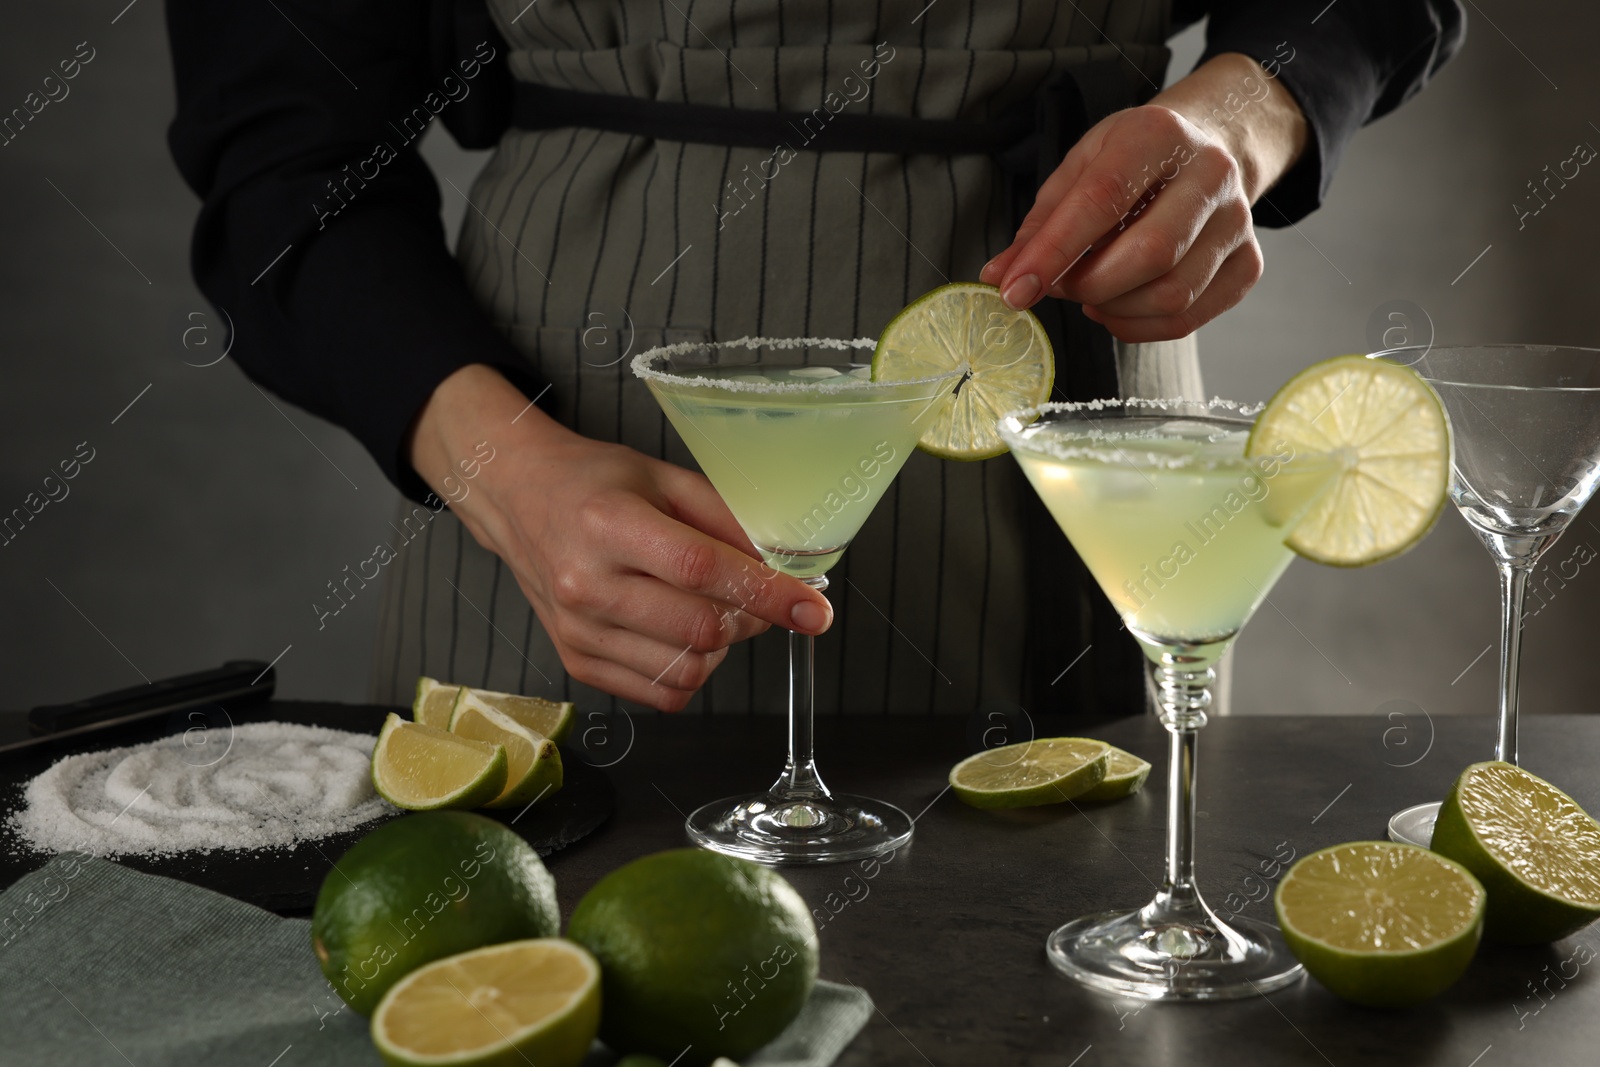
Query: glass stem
(1183, 687)
(800, 779)
(1513, 585)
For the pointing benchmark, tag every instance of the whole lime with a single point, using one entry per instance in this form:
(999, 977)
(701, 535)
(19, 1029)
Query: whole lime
(423, 887)
(698, 951)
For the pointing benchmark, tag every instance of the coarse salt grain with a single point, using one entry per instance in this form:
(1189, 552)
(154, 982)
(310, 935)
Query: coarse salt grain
(260, 785)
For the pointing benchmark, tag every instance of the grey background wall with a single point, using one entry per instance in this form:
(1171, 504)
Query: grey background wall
(212, 515)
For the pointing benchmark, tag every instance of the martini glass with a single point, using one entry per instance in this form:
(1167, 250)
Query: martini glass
(801, 443)
(1526, 425)
(1186, 537)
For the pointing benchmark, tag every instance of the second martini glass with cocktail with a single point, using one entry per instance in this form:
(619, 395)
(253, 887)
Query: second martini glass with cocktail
(1186, 514)
(801, 443)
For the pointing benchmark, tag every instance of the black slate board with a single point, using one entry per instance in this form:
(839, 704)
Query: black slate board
(286, 881)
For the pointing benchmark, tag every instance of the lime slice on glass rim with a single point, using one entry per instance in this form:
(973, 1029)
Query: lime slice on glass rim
(1390, 430)
(1533, 848)
(533, 761)
(1008, 353)
(422, 768)
(1046, 770)
(1125, 776)
(535, 1001)
(1380, 923)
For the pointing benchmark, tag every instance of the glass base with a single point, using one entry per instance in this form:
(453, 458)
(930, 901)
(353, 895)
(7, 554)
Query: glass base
(1414, 826)
(1155, 956)
(821, 829)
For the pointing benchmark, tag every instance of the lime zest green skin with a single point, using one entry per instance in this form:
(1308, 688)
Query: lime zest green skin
(678, 934)
(544, 779)
(1068, 787)
(447, 881)
(1389, 979)
(1518, 913)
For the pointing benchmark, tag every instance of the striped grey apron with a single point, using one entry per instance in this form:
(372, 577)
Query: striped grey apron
(587, 246)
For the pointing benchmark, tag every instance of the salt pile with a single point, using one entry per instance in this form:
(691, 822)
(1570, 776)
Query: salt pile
(260, 785)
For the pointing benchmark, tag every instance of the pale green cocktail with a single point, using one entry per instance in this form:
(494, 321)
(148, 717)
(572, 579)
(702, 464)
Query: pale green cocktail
(1181, 489)
(800, 455)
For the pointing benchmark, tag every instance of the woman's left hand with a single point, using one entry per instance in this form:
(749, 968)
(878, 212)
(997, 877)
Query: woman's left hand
(1146, 222)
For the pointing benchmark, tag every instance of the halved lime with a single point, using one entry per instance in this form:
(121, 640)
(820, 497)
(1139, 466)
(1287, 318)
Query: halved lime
(534, 1001)
(1125, 776)
(534, 763)
(1533, 848)
(420, 768)
(547, 717)
(1046, 770)
(1008, 353)
(433, 702)
(1379, 923)
(1390, 430)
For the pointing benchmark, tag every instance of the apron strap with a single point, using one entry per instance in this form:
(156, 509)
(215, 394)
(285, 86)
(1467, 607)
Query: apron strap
(544, 107)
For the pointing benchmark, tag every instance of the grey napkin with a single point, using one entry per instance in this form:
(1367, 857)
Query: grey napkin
(100, 963)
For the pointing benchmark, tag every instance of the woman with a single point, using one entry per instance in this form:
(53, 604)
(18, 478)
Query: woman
(579, 559)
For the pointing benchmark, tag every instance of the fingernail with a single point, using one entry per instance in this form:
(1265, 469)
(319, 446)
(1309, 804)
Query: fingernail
(810, 617)
(1022, 292)
(990, 274)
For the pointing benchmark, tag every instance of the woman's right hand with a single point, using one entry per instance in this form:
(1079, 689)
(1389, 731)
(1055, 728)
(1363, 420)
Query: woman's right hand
(636, 568)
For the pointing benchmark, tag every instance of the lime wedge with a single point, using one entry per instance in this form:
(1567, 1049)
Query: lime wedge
(1042, 771)
(519, 1002)
(433, 702)
(1007, 351)
(1533, 848)
(1390, 430)
(1125, 775)
(1379, 923)
(421, 768)
(533, 762)
(547, 717)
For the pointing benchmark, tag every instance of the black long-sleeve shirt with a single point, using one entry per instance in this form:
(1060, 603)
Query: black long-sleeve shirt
(359, 322)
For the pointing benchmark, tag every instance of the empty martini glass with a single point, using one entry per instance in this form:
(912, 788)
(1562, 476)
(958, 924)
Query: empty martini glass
(801, 444)
(1526, 421)
(1186, 536)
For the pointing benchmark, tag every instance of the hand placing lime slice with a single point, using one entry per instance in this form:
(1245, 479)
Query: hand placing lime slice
(534, 762)
(1046, 770)
(1125, 776)
(1381, 924)
(434, 702)
(532, 1001)
(1008, 352)
(548, 717)
(1389, 428)
(421, 768)
(1533, 848)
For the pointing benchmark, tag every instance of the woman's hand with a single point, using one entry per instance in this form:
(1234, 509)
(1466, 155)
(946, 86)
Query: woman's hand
(637, 570)
(1146, 222)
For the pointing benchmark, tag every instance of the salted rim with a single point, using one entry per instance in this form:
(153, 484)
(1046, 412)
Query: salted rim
(1013, 427)
(642, 369)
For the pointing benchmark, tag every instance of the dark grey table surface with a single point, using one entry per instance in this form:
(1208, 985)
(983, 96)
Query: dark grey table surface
(948, 936)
